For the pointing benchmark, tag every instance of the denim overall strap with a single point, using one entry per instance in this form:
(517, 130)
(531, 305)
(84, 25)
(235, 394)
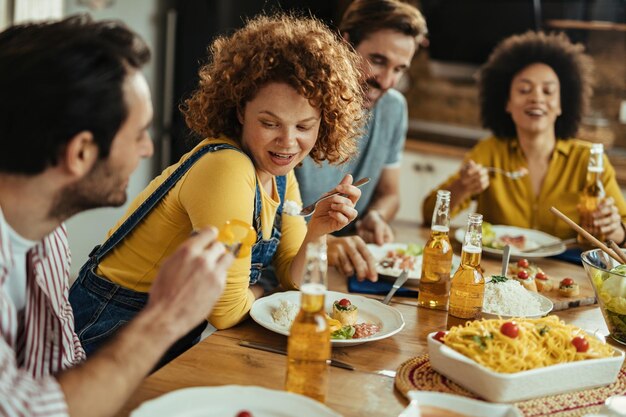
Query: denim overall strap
(263, 251)
(149, 203)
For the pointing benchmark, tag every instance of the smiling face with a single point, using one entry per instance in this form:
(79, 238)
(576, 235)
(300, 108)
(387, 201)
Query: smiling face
(535, 100)
(387, 54)
(107, 182)
(279, 128)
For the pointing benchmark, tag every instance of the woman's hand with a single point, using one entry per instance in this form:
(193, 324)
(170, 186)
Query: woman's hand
(336, 212)
(605, 221)
(473, 180)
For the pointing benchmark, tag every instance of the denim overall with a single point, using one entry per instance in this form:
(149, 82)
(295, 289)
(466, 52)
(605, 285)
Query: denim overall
(102, 307)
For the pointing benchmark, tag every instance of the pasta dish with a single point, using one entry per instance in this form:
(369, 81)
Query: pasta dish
(509, 346)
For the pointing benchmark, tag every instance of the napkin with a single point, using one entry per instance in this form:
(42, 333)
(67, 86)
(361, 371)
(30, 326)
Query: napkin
(571, 255)
(380, 287)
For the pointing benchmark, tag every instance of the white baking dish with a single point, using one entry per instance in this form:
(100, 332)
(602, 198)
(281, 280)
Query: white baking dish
(500, 387)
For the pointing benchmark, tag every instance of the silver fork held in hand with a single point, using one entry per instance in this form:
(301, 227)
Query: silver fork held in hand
(399, 282)
(310, 209)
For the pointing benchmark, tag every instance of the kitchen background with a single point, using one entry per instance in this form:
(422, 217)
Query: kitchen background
(440, 87)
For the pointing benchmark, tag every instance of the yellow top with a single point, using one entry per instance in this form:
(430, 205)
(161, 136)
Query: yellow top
(220, 186)
(513, 202)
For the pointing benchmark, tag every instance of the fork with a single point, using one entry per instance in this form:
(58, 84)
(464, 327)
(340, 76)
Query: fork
(514, 175)
(310, 209)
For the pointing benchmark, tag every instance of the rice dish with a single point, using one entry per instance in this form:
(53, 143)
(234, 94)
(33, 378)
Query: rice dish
(510, 298)
(291, 208)
(285, 314)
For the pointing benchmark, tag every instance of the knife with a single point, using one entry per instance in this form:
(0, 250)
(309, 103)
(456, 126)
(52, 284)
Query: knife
(266, 348)
(397, 284)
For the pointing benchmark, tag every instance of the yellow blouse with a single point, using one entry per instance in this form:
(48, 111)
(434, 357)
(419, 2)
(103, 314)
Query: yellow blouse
(513, 202)
(220, 186)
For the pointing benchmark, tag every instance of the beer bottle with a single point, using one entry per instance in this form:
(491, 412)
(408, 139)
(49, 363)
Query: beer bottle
(308, 346)
(468, 284)
(593, 193)
(434, 286)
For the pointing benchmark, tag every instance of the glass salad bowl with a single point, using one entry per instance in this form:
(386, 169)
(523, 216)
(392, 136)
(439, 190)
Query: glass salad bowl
(609, 282)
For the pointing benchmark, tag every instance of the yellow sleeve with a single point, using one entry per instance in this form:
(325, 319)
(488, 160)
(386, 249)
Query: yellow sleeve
(611, 188)
(293, 231)
(221, 187)
(479, 154)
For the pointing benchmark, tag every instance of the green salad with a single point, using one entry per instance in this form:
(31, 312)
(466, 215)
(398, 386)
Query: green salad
(611, 289)
(489, 236)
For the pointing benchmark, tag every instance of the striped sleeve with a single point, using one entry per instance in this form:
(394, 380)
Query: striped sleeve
(23, 396)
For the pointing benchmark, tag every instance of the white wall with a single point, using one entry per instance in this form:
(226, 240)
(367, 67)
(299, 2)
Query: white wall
(89, 228)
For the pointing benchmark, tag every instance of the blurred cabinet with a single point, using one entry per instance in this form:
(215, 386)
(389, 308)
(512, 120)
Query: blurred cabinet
(420, 173)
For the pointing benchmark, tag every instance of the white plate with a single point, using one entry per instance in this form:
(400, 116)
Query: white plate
(229, 400)
(541, 382)
(467, 406)
(387, 318)
(534, 238)
(545, 303)
(380, 252)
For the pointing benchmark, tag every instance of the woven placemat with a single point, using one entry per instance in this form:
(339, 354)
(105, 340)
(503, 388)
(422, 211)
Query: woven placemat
(417, 374)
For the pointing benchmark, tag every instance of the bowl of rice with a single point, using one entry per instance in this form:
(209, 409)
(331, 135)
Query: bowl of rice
(507, 298)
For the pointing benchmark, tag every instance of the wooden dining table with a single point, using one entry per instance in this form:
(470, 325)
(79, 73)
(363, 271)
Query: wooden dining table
(368, 390)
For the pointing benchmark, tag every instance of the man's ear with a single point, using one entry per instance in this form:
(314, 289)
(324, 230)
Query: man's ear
(80, 154)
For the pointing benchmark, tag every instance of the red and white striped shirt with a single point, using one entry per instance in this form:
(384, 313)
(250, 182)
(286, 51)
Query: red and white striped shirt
(48, 343)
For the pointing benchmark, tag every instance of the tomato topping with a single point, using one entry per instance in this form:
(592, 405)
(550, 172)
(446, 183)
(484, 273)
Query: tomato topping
(344, 302)
(580, 343)
(541, 275)
(522, 274)
(439, 336)
(244, 414)
(509, 329)
(523, 263)
(567, 282)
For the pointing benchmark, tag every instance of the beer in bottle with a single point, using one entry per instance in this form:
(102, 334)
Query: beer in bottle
(308, 346)
(434, 286)
(468, 284)
(593, 193)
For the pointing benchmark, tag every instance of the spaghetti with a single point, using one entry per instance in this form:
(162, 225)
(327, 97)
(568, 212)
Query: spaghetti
(536, 343)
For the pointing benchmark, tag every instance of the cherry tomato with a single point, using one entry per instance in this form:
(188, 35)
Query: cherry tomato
(244, 414)
(522, 274)
(509, 329)
(523, 263)
(439, 336)
(344, 302)
(580, 343)
(541, 275)
(567, 282)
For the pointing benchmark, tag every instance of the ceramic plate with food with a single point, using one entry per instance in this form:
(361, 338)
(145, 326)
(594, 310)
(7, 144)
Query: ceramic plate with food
(371, 320)
(569, 351)
(522, 241)
(439, 404)
(232, 401)
(392, 257)
(507, 298)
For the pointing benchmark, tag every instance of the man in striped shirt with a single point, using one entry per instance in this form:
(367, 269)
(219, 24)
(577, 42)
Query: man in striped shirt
(74, 115)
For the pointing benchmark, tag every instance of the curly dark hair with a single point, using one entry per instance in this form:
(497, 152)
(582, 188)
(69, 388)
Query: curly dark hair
(572, 66)
(59, 78)
(300, 52)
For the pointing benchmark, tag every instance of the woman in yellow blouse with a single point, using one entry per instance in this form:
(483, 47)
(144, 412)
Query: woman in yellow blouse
(275, 91)
(533, 91)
